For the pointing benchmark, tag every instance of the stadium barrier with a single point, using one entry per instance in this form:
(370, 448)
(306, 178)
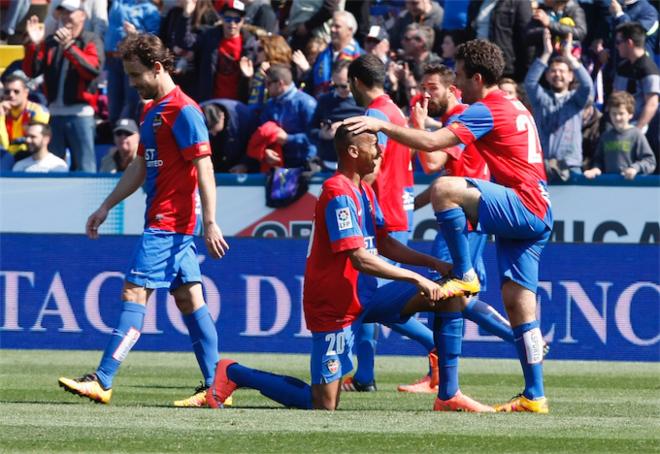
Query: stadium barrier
(596, 301)
(608, 209)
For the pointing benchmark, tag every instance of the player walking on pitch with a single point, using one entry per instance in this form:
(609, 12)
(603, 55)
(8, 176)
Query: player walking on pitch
(173, 157)
(516, 210)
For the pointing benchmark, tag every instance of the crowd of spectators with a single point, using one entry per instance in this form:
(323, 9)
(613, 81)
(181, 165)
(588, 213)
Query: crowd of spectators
(271, 76)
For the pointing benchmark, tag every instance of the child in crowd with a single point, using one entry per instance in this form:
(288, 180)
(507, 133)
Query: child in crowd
(624, 148)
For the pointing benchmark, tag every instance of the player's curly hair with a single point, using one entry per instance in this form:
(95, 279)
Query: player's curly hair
(147, 48)
(483, 57)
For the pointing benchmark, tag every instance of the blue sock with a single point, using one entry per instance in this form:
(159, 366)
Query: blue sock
(453, 225)
(529, 343)
(489, 319)
(122, 340)
(448, 327)
(417, 331)
(288, 391)
(365, 345)
(204, 338)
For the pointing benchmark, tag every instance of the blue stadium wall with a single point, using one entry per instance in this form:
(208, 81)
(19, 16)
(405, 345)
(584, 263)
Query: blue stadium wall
(596, 301)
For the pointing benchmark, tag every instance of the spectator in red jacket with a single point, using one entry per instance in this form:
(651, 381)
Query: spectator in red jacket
(70, 59)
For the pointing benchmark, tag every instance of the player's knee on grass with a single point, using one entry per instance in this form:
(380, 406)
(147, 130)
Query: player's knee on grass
(326, 396)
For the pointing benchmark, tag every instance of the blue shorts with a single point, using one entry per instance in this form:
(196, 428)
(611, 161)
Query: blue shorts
(331, 355)
(477, 241)
(164, 259)
(331, 350)
(520, 235)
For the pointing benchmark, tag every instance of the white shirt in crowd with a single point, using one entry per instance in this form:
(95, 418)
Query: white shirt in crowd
(50, 163)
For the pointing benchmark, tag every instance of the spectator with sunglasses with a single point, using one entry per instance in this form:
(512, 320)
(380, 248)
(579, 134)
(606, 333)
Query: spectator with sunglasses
(271, 50)
(218, 53)
(126, 140)
(331, 110)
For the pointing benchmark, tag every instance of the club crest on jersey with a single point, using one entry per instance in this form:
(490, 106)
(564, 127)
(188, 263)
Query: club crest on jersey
(332, 365)
(344, 221)
(158, 121)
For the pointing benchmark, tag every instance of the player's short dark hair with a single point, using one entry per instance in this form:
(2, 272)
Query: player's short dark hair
(343, 138)
(633, 31)
(483, 57)
(621, 99)
(369, 70)
(148, 49)
(447, 75)
(280, 73)
(45, 127)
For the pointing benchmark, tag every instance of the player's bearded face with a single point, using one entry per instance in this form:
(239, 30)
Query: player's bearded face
(438, 103)
(141, 78)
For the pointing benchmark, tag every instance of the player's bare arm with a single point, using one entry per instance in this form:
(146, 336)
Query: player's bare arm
(413, 138)
(366, 262)
(215, 242)
(130, 181)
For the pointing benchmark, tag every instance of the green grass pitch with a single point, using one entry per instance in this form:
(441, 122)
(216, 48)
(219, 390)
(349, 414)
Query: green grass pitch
(595, 407)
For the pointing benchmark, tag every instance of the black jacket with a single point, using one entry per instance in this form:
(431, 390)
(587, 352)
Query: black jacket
(508, 29)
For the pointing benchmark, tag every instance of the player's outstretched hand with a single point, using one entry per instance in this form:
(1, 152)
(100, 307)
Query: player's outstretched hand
(94, 222)
(215, 242)
(362, 124)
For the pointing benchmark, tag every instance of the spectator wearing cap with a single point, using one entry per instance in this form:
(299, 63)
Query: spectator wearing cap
(16, 112)
(422, 12)
(343, 46)
(377, 43)
(125, 17)
(37, 137)
(218, 54)
(230, 124)
(70, 60)
(96, 11)
(126, 137)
